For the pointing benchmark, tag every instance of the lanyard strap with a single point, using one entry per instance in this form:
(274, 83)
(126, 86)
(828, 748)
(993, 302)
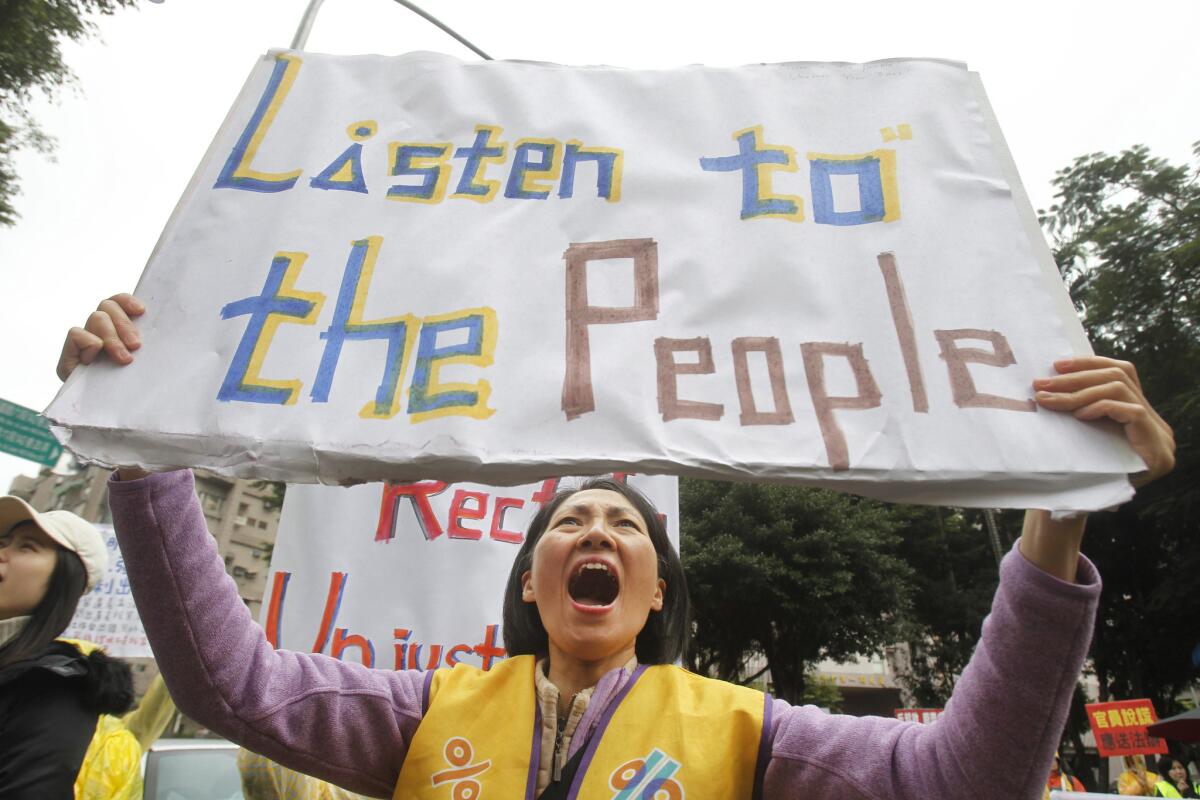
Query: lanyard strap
(557, 790)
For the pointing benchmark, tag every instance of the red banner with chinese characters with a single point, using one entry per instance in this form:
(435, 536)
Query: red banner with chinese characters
(917, 714)
(1120, 728)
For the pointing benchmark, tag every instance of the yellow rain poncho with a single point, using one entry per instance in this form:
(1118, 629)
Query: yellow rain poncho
(263, 779)
(112, 765)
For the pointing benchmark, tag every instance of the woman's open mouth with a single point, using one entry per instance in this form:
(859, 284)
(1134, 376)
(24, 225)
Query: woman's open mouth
(594, 585)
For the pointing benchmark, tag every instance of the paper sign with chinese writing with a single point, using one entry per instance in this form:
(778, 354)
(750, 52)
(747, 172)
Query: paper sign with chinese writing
(923, 715)
(106, 615)
(1120, 728)
(415, 267)
(407, 576)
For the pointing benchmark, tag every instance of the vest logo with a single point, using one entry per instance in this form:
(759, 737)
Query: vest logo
(462, 773)
(647, 778)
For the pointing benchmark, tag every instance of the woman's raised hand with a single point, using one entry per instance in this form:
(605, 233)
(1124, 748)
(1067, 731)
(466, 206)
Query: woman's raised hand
(109, 329)
(1095, 387)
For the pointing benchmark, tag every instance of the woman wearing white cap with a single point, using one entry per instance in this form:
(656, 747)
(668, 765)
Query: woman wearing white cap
(51, 692)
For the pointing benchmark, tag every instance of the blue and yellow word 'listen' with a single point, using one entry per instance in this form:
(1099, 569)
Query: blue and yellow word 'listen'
(539, 166)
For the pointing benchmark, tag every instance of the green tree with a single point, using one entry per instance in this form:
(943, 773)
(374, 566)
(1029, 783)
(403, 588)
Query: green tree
(31, 32)
(822, 693)
(1126, 232)
(797, 575)
(954, 578)
(273, 493)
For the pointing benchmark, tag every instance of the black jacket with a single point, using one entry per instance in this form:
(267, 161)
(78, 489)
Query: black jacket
(48, 711)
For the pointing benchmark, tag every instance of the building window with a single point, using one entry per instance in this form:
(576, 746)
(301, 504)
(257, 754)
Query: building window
(211, 503)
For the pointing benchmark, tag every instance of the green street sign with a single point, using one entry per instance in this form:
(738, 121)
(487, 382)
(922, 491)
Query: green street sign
(25, 434)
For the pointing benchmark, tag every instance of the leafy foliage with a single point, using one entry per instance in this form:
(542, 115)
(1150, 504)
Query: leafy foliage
(31, 32)
(1126, 231)
(954, 578)
(273, 493)
(821, 693)
(798, 575)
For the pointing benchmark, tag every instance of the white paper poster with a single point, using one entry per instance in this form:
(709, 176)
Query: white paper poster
(416, 267)
(106, 615)
(407, 576)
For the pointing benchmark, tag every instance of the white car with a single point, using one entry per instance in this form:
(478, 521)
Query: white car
(191, 769)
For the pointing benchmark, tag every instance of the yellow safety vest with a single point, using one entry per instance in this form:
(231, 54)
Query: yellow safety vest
(668, 733)
(1167, 789)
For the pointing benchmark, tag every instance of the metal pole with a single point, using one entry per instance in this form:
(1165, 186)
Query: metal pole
(989, 518)
(306, 23)
(310, 16)
(413, 8)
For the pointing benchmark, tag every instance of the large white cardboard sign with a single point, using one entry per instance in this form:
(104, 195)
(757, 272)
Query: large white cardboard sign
(414, 267)
(407, 576)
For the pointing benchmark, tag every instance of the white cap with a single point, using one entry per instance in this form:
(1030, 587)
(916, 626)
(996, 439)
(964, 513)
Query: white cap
(71, 531)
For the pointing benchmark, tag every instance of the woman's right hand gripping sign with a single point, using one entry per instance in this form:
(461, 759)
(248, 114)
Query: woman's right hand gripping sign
(1095, 388)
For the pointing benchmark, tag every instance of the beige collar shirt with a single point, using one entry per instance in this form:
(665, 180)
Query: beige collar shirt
(555, 746)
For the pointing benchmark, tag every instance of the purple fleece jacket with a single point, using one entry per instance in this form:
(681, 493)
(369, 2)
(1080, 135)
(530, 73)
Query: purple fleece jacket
(352, 725)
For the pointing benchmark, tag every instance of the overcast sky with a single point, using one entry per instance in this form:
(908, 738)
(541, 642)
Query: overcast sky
(1065, 78)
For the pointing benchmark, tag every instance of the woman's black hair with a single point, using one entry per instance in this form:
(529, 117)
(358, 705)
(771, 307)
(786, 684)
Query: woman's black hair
(52, 615)
(665, 635)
